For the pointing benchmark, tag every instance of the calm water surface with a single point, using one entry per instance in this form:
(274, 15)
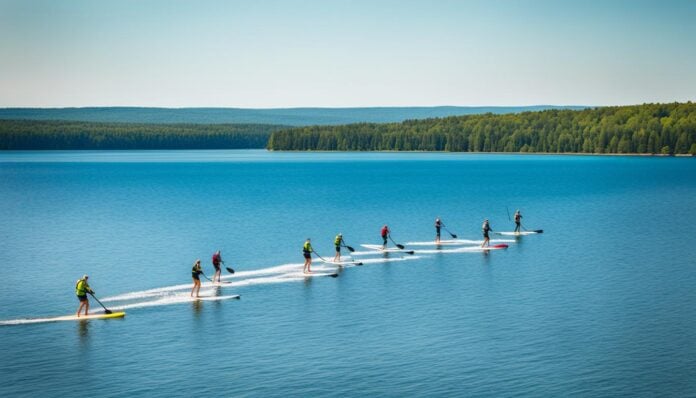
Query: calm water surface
(602, 304)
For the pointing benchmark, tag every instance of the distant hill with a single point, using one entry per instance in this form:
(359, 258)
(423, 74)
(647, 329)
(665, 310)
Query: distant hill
(278, 116)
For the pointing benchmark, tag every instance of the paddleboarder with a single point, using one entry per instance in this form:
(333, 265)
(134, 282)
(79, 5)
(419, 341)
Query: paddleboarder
(486, 227)
(81, 290)
(385, 235)
(307, 252)
(217, 259)
(518, 221)
(195, 272)
(438, 225)
(338, 242)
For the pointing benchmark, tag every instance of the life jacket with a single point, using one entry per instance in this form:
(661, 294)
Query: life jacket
(196, 269)
(216, 259)
(385, 230)
(518, 216)
(438, 224)
(81, 287)
(486, 227)
(307, 247)
(338, 240)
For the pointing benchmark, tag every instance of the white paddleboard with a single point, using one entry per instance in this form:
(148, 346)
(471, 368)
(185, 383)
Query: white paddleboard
(521, 233)
(387, 250)
(447, 242)
(214, 298)
(342, 263)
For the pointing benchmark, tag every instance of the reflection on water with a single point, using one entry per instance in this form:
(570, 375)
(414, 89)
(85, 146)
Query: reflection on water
(83, 331)
(197, 306)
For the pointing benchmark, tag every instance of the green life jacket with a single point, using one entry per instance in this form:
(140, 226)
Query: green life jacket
(81, 288)
(338, 240)
(307, 247)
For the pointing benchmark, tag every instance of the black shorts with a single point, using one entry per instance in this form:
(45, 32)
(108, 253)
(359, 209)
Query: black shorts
(385, 239)
(485, 234)
(338, 249)
(437, 231)
(82, 298)
(195, 276)
(217, 267)
(307, 254)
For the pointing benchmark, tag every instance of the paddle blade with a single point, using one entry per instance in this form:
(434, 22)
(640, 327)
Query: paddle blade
(230, 270)
(107, 311)
(400, 246)
(358, 264)
(409, 252)
(350, 249)
(453, 236)
(539, 231)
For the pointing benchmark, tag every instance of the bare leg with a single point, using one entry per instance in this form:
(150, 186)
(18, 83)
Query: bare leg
(79, 309)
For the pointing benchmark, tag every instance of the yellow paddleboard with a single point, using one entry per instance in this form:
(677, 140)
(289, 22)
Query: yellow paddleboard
(101, 315)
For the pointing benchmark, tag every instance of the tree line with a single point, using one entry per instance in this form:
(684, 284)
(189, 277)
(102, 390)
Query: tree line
(647, 129)
(32, 134)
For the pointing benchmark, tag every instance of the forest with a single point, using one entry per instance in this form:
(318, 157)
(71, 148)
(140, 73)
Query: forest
(31, 134)
(644, 129)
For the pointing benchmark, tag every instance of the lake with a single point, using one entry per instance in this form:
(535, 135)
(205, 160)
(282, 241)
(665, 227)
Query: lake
(603, 303)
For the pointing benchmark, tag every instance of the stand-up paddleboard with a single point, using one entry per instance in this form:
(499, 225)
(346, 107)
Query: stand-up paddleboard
(220, 283)
(318, 274)
(521, 233)
(388, 250)
(101, 315)
(454, 242)
(342, 263)
(213, 298)
(495, 247)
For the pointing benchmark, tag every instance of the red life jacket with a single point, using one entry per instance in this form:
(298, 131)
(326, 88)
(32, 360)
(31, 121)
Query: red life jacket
(216, 259)
(385, 230)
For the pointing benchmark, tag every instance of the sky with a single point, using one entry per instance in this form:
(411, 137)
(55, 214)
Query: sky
(292, 53)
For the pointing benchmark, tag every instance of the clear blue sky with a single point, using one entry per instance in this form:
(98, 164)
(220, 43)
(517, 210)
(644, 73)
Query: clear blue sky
(345, 53)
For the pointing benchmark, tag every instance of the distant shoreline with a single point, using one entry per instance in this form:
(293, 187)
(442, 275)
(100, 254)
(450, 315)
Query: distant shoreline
(366, 152)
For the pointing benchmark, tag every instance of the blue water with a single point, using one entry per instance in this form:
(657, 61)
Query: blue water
(603, 303)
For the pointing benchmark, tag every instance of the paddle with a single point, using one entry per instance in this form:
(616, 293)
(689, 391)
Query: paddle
(229, 269)
(317, 254)
(448, 231)
(206, 277)
(508, 213)
(106, 310)
(350, 249)
(395, 244)
(324, 260)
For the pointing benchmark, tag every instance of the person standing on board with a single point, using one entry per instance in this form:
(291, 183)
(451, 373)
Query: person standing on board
(518, 221)
(486, 227)
(195, 272)
(217, 259)
(385, 234)
(338, 242)
(81, 290)
(438, 225)
(307, 252)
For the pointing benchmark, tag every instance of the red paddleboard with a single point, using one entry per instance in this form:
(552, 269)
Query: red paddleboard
(501, 246)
